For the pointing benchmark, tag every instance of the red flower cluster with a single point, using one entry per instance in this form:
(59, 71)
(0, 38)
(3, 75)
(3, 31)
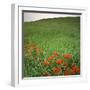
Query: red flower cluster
(54, 64)
(56, 70)
(61, 65)
(51, 57)
(67, 56)
(60, 61)
(55, 53)
(75, 69)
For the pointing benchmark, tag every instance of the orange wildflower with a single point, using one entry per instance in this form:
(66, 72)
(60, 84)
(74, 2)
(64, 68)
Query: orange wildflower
(46, 62)
(56, 70)
(37, 50)
(75, 69)
(60, 61)
(67, 56)
(51, 57)
(55, 54)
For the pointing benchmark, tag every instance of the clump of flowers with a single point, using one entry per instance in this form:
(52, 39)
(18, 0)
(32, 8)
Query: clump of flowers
(51, 57)
(60, 61)
(57, 70)
(54, 64)
(67, 56)
(75, 69)
(55, 53)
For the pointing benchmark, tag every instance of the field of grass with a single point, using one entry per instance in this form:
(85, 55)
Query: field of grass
(52, 47)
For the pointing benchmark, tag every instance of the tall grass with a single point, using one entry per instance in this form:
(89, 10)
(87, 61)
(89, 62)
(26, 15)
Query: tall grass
(60, 35)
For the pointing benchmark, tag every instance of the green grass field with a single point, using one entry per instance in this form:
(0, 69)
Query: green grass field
(52, 47)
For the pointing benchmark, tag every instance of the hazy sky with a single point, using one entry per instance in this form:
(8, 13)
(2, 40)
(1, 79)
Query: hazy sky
(37, 16)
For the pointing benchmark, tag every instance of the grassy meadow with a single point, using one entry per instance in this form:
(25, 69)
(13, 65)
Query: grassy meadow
(52, 47)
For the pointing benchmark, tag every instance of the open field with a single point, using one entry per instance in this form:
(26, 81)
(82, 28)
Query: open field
(52, 47)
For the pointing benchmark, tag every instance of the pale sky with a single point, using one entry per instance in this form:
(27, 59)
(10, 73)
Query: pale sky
(28, 16)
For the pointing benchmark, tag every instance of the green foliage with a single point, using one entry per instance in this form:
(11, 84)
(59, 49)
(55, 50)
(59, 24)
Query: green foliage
(43, 37)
